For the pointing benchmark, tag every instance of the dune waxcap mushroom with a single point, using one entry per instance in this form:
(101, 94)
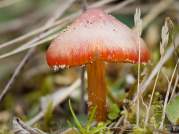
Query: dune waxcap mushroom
(93, 39)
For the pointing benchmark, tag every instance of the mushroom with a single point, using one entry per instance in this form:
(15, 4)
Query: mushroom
(93, 39)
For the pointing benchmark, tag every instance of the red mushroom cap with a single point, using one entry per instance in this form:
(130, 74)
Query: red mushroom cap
(93, 36)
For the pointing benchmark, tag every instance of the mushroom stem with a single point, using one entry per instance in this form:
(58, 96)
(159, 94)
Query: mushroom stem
(97, 89)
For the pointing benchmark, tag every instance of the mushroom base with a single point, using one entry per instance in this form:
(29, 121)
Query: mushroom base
(97, 89)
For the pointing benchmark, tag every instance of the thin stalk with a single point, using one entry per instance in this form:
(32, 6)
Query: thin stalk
(167, 95)
(174, 87)
(154, 12)
(138, 25)
(138, 90)
(82, 99)
(151, 98)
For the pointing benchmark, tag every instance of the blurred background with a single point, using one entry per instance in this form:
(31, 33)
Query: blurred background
(26, 30)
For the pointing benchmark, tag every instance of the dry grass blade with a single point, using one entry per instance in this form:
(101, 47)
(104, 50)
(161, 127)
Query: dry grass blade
(138, 26)
(167, 95)
(20, 127)
(151, 99)
(154, 12)
(41, 29)
(33, 43)
(56, 98)
(163, 44)
(174, 87)
(57, 14)
(15, 74)
(37, 31)
(41, 41)
(158, 67)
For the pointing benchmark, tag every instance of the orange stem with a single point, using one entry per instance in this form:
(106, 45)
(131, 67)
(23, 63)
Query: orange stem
(97, 89)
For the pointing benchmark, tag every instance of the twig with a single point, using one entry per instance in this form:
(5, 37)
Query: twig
(20, 127)
(57, 14)
(120, 120)
(16, 73)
